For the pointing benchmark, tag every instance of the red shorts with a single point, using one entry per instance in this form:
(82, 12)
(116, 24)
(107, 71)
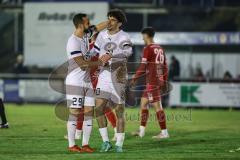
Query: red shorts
(152, 93)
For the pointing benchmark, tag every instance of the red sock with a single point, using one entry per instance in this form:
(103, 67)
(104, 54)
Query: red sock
(161, 119)
(110, 116)
(144, 117)
(80, 120)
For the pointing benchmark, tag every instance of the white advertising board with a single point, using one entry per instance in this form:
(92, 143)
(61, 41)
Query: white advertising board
(205, 94)
(47, 27)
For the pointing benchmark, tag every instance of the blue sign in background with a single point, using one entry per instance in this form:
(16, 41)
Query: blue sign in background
(11, 91)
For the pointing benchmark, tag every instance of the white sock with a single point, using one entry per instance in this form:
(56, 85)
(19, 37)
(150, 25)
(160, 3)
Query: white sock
(164, 132)
(104, 134)
(115, 130)
(71, 129)
(87, 130)
(141, 131)
(78, 133)
(120, 139)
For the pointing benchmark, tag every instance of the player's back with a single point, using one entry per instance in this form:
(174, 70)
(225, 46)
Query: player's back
(156, 63)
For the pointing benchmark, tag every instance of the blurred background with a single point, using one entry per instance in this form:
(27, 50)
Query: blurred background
(201, 39)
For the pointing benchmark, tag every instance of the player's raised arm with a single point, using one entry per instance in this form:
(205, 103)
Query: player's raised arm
(101, 26)
(93, 29)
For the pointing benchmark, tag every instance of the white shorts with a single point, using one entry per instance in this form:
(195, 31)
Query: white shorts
(111, 91)
(79, 96)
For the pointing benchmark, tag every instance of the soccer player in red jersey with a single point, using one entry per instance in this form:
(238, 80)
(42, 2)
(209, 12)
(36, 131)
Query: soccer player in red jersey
(154, 67)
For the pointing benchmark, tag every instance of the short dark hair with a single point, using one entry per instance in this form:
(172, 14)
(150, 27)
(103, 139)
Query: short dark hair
(78, 19)
(150, 31)
(118, 14)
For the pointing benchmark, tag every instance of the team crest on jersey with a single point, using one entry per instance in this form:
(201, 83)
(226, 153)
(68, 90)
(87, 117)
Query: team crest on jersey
(110, 46)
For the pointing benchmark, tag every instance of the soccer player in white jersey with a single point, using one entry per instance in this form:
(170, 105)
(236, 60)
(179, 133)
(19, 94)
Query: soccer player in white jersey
(78, 84)
(112, 78)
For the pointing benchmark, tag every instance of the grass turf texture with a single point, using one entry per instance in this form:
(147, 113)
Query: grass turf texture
(36, 133)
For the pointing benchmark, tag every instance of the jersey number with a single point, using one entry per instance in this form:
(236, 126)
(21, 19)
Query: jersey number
(159, 56)
(77, 101)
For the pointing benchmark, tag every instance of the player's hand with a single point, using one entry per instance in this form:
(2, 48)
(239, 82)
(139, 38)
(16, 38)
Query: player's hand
(162, 81)
(132, 83)
(105, 58)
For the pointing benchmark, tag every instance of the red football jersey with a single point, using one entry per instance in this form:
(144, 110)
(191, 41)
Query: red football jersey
(155, 65)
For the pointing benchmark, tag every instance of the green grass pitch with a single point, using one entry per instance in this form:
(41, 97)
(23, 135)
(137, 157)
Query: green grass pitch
(37, 134)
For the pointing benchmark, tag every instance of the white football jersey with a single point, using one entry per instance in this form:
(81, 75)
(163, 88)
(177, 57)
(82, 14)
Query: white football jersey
(119, 45)
(77, 47)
